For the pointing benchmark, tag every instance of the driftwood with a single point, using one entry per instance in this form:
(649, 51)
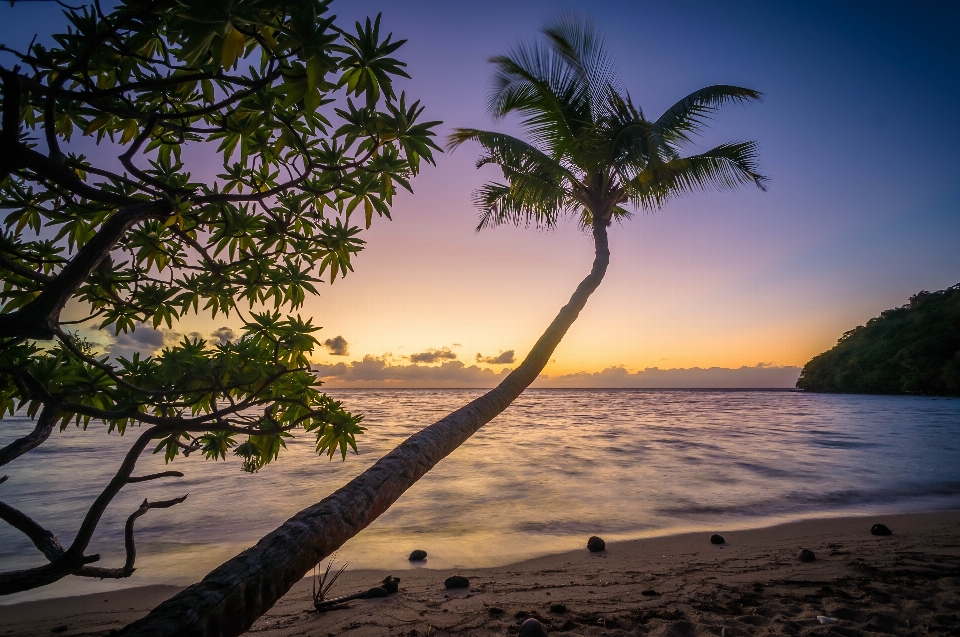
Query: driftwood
(389, 586)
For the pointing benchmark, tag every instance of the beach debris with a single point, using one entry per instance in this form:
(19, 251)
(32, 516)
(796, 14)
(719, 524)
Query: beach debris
(650, 593)
(456, 581)
(532, 628)
(716, 538)
(880, 529)
(806, 555)
(389, 586)
(493, 611)
(418, 556)
(596, 544)
(725, 632)
(823, 619)
(558, 608)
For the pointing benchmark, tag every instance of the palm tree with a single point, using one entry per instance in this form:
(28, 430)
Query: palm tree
(592, 153)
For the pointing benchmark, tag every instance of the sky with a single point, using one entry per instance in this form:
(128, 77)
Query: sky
(857, 134)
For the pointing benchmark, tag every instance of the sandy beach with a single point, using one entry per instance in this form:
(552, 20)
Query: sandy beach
(681, 585)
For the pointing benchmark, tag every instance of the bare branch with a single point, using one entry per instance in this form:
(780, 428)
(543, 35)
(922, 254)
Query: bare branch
(127, 569)
(42, 430)
(154, 476)
(45, 541)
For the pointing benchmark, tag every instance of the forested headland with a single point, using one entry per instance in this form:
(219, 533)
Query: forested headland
(913, 349)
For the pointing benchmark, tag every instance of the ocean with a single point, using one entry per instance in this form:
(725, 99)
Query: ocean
(557, 467)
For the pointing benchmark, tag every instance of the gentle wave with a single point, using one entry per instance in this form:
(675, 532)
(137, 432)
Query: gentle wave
(557, 466)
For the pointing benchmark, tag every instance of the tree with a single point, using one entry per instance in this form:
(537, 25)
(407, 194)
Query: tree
(592, 152)
(912, 349)
(304, 119)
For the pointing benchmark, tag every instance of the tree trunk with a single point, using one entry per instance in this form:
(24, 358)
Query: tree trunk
(231, 597)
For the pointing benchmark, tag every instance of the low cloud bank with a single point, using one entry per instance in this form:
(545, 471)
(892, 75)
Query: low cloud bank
(758, 377)
(380, 372)
(372, 372)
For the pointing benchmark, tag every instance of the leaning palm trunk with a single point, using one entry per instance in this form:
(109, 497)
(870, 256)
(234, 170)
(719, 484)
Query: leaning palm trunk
(228, 600)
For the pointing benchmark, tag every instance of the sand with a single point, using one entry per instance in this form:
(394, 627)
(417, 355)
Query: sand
(904, 584)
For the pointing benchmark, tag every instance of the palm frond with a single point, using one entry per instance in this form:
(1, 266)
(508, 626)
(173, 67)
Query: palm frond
(689, 115)
(545, 91)
(524, 202)
(725, 167)
(580, 44)
(506, 150)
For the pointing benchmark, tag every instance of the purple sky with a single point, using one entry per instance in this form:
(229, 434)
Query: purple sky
(857, 134)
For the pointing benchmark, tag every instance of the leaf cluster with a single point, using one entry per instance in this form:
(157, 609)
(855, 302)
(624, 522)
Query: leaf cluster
(310, 136)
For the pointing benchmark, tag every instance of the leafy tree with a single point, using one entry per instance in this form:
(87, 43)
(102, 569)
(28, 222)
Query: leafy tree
(592, 152)
(912, 349)
(312, 139)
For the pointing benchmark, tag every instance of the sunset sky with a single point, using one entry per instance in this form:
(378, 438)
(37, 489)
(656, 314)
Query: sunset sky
(858, 134)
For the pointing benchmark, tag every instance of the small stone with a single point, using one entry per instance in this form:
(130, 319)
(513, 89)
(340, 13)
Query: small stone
(418, 556)
(650, 593)
(457, 581)
(880, 529)
(716, 538)
(596, 544)
(494, 611)
(532, 628)
(558, 608)
(520, 614)
(806, 555)
(59, 629)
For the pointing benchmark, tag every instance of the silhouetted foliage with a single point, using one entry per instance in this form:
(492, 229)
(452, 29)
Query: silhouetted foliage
(913, 349)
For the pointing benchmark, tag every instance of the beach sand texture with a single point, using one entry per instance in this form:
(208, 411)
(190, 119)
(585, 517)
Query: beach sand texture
(904, 584)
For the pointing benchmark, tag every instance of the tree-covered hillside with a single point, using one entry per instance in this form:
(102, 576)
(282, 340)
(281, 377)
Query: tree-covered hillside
(910, 349)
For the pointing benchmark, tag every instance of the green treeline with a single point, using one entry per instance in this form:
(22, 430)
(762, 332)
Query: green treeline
(914, 349)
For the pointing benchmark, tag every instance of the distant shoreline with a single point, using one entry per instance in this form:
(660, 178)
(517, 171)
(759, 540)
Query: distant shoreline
(754, 576)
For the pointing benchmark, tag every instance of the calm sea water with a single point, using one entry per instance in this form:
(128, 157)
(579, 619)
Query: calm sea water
(555, 468)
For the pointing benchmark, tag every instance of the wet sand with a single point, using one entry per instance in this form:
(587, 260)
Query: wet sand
(681, 585)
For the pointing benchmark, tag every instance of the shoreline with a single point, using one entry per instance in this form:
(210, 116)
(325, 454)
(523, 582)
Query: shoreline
(752, 584)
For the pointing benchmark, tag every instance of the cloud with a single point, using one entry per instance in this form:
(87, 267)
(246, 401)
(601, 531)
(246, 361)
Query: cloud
(337, 346)
(224, 335)
(503, 358)
(375, 371)
(145, 340)
(433, 356)
(761, 376)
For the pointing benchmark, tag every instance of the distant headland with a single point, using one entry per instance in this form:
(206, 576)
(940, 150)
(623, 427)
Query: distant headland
(913, 349)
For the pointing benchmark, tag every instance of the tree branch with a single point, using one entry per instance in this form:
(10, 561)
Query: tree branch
(127, 569)
(10, 135)
(39, 318)
(154, 476)
(42, 430)
(45, 541)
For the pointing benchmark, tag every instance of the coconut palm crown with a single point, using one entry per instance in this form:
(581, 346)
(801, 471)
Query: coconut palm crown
(592, 151)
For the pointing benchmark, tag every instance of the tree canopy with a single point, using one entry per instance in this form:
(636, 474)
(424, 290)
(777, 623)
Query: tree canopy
(912, 349)
(236, 150)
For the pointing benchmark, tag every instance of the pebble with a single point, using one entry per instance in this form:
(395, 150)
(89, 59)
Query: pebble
(806, 555)
(880, 529)
(532, 628)
(418, 556)
(494, 611)
(596, 544)
(826, 620)
(716, 538)
(457, 581)
(558, 608)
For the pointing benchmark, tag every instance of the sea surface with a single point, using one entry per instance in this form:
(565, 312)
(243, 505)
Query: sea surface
(555, 468)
